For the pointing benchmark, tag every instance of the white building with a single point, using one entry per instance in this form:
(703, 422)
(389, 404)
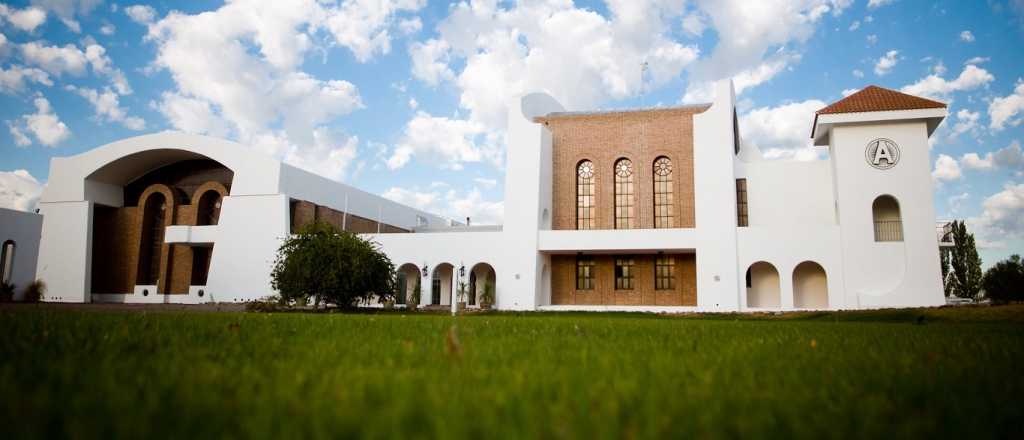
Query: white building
(654, 210)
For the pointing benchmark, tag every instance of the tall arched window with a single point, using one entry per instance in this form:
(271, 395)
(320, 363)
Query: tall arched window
(585, 218)
(209, 209)
(663, 200)
(624, 209)
(7, 262)
(888, 224)
(153, 216)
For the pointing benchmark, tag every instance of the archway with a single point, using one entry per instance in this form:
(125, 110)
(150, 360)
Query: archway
(441, 284)
(763, 286)
(810, 286)
(482, 285)
(885, 211)
(208, 208)
(154, 217)
(7, 261)
(408, 274)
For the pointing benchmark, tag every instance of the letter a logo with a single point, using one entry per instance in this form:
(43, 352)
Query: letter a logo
(882, 153)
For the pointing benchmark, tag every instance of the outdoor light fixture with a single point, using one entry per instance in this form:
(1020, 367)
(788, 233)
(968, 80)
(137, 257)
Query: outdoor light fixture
(462, 270)
(424, 270)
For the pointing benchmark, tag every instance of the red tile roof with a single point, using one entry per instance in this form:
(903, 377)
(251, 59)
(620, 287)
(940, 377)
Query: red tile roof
(877, 99)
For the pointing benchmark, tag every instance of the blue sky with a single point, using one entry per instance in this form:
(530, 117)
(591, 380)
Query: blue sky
(406, 98)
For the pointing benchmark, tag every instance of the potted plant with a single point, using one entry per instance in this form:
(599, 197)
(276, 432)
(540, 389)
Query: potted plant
(462, 296)
(414, 298)
(487, 298)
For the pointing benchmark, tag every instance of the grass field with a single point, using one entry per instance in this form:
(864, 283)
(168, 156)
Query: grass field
(89, 373)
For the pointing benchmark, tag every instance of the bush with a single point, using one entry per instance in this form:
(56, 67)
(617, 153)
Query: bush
(266, 305)
(35, 291)
(331, 267)
(6, 292)
(1004, 282)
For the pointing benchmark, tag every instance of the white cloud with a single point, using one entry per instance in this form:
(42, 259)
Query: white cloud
(44, 125)
(781, 132)
(966, 121)
(108, 107)
(191, 115)
(19, 190)
(107, 29)
(1003, 111)
(240, 65)
(855, 25)
(363, 25)
(694, 24)
(858, 73)
(410, 26)
(946, 169)
(937, 87)
(58, 60)
(886, 62)
(756, 31)
(430, 61)
(27, 19)
(956, 201)
(1010, 157)
(848, 92)
(451, 203)
(413, 104)
(451, 142)
(486, 183)
(872, 39)
(1003, 216)
(13, 80)
(966, 36)
(141, 14)
(67, 10)
(878, 3)
(977, 60)
(577, 55)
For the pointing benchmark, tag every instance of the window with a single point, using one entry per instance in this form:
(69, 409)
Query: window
(209, 208)
(665, 273)
(663, 217)
(584, 273)
(888, 224)
(623, 274)
(742, 217)
(7, 262)
(624, 214)
(735, 133)
(585, 195)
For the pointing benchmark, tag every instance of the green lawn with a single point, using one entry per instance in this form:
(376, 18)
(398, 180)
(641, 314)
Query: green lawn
(109, 374)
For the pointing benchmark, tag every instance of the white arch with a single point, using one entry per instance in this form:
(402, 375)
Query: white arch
(763, 288)
(810, 286)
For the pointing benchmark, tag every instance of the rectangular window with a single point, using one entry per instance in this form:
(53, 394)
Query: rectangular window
(584, 273)
(742, 218)
(624, 274)
(665, 273)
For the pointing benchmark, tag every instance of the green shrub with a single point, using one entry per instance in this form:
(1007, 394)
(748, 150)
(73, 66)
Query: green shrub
(414, 298)
(331, 267)
(1004, 282)
(6, 292)
(35, 291)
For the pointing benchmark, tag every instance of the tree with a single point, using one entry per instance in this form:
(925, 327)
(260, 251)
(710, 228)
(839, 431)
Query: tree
(1004, 282)
(965, 262)
(944, 261)
(331, 267)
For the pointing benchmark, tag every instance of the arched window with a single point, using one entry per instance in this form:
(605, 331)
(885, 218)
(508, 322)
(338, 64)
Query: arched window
(153, 216)
(209, 209)
(7, 262)
(585, 218)
(663, 215)
(888, 224)
(624, 210)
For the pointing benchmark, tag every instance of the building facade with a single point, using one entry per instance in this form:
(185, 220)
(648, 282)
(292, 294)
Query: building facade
(647, 210)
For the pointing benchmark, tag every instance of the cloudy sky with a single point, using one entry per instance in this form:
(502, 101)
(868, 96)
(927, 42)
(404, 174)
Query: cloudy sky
(406, 98)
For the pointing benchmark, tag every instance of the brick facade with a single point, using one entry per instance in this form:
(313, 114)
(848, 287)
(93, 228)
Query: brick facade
(603, 138)
(304, 213)
(564, 292)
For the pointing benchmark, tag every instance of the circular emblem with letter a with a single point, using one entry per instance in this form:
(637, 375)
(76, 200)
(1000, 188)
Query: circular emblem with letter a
(882, 153)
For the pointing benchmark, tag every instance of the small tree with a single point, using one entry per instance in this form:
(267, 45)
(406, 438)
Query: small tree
(414, 298)
(944, 262)
(331, 267)
(487, 299)
(1004, 282)
(966, 264)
